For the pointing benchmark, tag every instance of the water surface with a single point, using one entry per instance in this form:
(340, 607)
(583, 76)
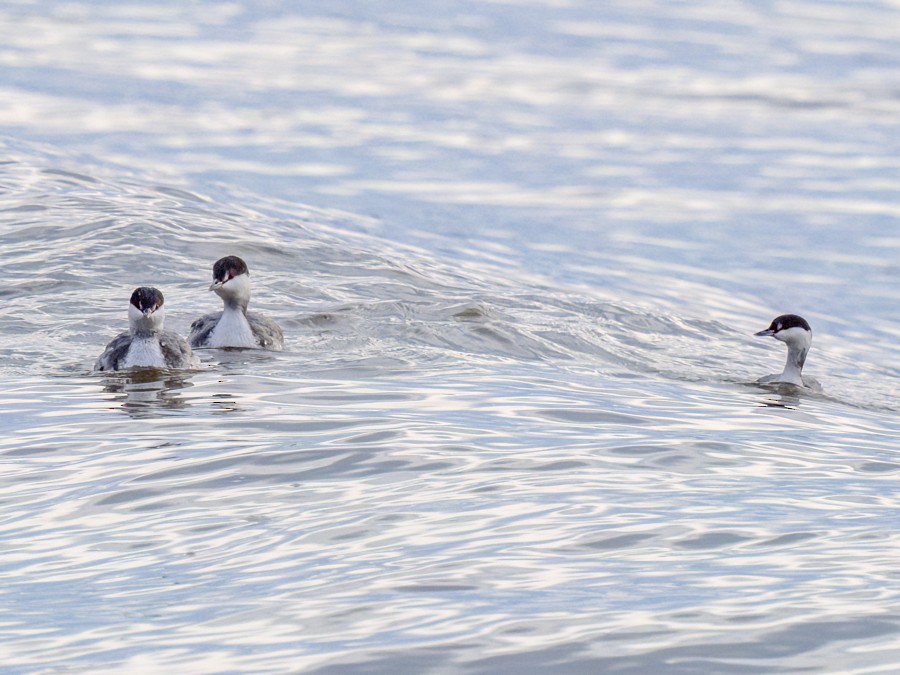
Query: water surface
(519, 250)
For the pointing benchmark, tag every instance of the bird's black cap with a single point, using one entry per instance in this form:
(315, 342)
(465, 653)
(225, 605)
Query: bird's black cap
(783, 322)
(227, 267)
(147, 297)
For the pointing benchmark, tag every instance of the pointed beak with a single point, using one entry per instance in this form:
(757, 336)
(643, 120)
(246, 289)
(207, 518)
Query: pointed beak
(148, 311)
(765, 333)
(216, 285)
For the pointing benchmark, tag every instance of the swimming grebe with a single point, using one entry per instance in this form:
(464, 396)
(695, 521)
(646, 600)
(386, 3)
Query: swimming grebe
(146, 344)
(235, 326)
(797, 335)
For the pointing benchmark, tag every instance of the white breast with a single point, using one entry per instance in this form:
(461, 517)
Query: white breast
(144, 352)
(232, 330)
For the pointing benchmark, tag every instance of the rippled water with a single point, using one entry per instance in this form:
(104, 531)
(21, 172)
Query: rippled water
(519, 250)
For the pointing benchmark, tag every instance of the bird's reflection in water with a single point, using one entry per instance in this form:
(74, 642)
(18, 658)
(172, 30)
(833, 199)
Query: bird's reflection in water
(146, 392)
(783, 395)
(233, 361)
(222, 404)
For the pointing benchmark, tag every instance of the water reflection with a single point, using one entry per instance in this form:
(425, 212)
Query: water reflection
(782, 395)
(234, 360)
(222, 404)
(457, 451)
(148, 391)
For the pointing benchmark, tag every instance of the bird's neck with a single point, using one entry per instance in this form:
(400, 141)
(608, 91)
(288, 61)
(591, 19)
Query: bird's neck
(793, 367)
(236, 294)
(233, 305)
(146, 327)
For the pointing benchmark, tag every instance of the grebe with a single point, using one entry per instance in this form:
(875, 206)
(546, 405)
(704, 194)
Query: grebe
(146, 344)
(797, 335)
(235, 326)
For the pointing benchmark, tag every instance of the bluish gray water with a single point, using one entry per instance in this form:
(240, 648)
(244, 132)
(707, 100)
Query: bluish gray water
(519, 250)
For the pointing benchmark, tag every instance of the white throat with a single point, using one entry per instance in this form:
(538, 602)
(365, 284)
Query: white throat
(235, 291)
(141, 324)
